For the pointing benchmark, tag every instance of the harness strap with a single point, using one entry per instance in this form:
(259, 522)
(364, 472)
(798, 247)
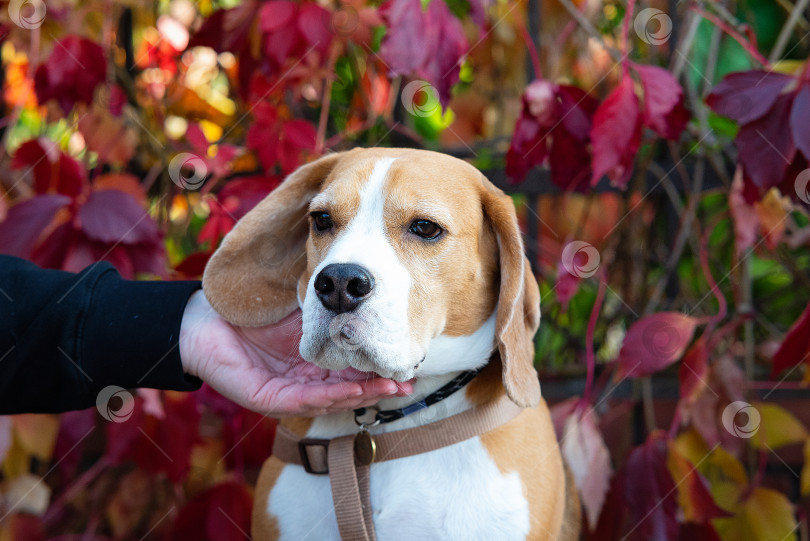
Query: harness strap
(351, 492)
(350, 479)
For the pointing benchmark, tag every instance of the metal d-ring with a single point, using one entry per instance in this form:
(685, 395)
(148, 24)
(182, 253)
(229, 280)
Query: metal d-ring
(361, 424)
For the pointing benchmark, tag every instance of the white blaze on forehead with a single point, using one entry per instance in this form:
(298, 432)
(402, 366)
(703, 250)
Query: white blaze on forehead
(364, 238)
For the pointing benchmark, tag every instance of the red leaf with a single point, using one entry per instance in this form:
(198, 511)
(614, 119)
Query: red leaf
(26, 221)
(300, 133)
(795, 348)
(654, 342)
(219, 223)
(616, 134)
(662, 97)
(765, 145)
(240, 195)
(158, 445)
(25, 526)
(697, 532)
(54, 171)
(800, 120)
(576, 110)
(427, 44)
(112, 216)
(53, 250)
(527, 149)
(693, 371)
(221, 512)
(226, 29)
(67, 453)
(249, 435)
(277, 14)
(313, 24)
(650, 491)
(569, 161)
(72, 72)
(192, 267)
(282, 44)
(746, 96)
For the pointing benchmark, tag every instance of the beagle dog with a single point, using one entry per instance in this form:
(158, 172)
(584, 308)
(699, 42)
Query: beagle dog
(408, 264)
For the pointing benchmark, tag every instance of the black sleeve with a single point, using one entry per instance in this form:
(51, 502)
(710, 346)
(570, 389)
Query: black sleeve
(65, 336)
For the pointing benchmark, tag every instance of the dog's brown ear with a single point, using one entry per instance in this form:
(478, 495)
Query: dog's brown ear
(518, 312)
(251, 279)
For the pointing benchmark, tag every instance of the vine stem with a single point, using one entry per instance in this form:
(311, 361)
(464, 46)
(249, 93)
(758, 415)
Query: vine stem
(326, 101)
(589, 352)
(747, 45)
(631, 8)
(530, 46)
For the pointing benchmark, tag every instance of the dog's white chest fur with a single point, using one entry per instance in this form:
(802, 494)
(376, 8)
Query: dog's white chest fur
(453, 493)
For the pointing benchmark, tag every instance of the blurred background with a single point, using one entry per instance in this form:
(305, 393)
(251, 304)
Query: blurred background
(657, 153)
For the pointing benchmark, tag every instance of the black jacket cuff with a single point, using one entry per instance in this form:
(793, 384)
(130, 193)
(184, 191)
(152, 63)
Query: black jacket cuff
(130, 333)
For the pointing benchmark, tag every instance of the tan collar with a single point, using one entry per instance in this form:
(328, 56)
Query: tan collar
(347, 458)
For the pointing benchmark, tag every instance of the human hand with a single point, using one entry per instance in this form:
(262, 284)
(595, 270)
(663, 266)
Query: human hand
(259, 367)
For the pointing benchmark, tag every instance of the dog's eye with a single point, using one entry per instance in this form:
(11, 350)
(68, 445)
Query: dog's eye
(425, 229)
(322, 220)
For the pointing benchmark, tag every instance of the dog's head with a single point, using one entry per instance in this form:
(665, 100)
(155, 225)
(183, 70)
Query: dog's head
(386, 252)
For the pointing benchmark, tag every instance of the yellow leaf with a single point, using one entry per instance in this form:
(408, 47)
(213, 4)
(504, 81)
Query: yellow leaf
(790, 67)
(693, 495)
(765, 515)
(719, 466)
(37, 433)
(771, 212)
(778, 427)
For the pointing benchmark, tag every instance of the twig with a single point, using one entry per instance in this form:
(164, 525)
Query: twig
(787, 29)
(530, 46)
(325, 102)
(725, 27)
(589, 353)
(682, 52)
(590, 29)
(685, 229)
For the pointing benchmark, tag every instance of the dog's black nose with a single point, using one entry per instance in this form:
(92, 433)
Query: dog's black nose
(343, 286)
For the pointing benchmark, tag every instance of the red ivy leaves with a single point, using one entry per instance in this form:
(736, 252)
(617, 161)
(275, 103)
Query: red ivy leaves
(72, 72)
(158, 445)
(655, 342)
(764, 104)
(650, 491)
(555, 123)
(617, 125)
(221, 512)
(428, 44)
(71, 224)
(616, 134)
(279, 140)
(291, 30)
(53, 170)
(559, 122)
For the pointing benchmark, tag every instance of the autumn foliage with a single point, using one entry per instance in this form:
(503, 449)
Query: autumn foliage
(667, 177)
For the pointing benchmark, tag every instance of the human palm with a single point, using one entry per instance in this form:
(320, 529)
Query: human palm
(259, 367)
